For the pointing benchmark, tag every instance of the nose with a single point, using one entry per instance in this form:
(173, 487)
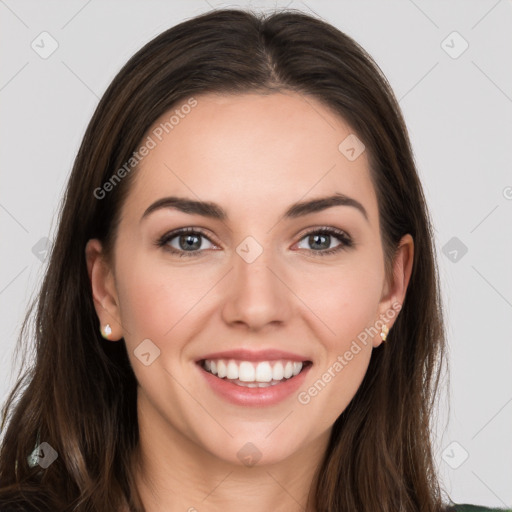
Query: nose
(257, 294)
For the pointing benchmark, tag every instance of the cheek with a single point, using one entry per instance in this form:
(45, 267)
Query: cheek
(152, 308)
(345, 297)
(349, 310)
(164, 302)
(154, 297)
(347, 304)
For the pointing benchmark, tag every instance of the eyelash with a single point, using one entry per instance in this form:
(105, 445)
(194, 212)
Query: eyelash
(344, 238)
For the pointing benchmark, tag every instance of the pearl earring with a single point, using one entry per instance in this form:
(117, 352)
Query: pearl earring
(106, 331)
(384, 332)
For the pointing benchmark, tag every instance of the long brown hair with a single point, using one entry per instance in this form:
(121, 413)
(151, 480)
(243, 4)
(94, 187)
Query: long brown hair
(80, 394)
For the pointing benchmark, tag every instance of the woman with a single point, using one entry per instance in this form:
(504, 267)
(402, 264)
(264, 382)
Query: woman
(241, 307)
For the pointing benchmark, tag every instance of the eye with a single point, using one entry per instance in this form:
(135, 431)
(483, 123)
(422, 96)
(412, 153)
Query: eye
(322, 238)
(189, 241)
(184, 241)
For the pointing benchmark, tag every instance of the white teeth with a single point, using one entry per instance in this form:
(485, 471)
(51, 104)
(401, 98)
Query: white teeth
(278, 371)
(264, 372)
(246, 372)
(221, 369)
(288, 370)
(255, 384)
(249, 374)
(232, 370)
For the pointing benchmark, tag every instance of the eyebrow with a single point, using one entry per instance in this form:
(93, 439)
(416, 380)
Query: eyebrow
(214, 211)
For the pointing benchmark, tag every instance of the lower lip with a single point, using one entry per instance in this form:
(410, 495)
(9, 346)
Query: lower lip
(259, 397)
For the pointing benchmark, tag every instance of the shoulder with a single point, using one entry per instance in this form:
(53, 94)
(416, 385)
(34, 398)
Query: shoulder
(473, 508)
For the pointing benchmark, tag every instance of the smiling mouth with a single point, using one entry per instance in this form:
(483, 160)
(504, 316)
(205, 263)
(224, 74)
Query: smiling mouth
(254, 374)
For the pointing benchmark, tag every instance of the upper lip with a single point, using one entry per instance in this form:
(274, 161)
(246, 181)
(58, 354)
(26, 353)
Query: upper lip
(252, 355)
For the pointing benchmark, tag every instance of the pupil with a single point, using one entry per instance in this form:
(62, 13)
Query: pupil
(188, 243)
(314, 239)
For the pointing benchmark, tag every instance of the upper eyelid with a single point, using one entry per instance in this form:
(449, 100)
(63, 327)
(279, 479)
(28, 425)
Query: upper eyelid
(336, 232)
(331, 229)
(181, 231)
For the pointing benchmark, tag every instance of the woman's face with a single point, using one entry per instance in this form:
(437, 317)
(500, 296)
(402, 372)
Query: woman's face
(253, 282)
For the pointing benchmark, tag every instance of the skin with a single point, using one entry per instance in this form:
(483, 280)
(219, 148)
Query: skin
(254, 155)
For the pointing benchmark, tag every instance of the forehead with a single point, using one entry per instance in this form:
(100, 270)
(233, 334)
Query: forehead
(251, 149)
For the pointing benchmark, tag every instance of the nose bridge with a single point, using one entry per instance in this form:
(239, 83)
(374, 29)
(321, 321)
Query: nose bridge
(256, 296)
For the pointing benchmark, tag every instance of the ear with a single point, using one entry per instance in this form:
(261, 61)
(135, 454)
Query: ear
(104, 291)
(395, 289)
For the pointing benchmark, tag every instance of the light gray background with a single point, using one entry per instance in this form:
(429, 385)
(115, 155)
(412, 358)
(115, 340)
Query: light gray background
(459, 113)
